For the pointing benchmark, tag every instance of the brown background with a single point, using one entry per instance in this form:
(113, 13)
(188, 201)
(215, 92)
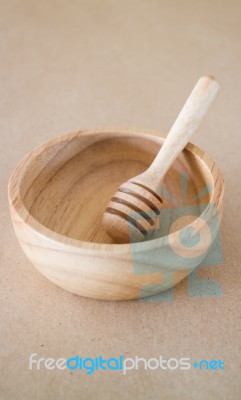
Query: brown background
(67, 65)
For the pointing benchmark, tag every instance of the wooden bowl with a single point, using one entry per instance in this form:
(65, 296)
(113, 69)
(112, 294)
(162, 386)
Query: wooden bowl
(59, 191)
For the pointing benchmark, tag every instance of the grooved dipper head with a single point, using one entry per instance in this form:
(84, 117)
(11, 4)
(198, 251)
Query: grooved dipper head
(133, 213)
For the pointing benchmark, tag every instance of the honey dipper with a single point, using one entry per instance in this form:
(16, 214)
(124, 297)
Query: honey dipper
(133, 212)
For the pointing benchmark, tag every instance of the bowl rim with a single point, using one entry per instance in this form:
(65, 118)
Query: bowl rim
(26, 218)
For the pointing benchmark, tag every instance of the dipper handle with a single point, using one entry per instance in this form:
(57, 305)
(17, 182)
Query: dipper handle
(185, 125)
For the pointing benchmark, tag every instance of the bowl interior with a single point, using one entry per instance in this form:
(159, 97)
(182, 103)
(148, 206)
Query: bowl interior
(69, 182)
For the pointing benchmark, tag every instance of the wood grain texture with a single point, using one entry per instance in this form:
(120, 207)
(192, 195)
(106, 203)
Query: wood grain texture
(58, 193)
(139, 196)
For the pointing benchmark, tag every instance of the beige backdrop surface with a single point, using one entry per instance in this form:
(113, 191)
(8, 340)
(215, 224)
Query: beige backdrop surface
(67, 65)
